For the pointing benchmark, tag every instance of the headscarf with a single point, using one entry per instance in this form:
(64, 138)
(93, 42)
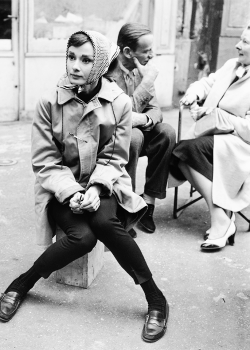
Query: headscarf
(105, 52)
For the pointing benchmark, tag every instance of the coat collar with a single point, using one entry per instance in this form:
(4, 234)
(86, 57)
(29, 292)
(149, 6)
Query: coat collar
(247, 70)
(109, 90)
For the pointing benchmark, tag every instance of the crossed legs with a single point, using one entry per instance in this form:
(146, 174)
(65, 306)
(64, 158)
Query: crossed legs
(219, 219)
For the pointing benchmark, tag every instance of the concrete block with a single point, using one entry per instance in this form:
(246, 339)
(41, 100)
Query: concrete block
(82, 271)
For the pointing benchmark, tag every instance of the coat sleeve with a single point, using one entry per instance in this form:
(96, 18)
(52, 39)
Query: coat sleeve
(144, 101)
(203, 86)
(114, 156)
(47, 158)
(241, 127)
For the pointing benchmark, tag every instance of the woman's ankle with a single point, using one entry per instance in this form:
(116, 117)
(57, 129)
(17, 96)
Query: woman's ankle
(157, 303)
(24, 282)
(17, 288)
(218, 230)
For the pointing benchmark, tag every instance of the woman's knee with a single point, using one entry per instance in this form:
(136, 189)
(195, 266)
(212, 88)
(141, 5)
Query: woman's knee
(83, 241)
(104, 226)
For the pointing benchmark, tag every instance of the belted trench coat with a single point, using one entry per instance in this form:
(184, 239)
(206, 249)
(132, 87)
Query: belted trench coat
(76, 145)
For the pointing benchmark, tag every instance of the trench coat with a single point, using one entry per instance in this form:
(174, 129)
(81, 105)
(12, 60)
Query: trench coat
(76, 145)
(231, 167)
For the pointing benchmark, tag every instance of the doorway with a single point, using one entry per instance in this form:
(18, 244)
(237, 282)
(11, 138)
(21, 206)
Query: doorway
(9, 60)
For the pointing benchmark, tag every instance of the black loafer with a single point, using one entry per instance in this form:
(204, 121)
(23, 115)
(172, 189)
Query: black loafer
(155, 325)
(9, 304)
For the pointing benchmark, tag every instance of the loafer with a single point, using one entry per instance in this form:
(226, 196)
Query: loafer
(9, 304)
(155, 325)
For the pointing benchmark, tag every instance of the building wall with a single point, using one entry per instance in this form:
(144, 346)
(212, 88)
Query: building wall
(42, 28)
(236, 16)
(41, 74)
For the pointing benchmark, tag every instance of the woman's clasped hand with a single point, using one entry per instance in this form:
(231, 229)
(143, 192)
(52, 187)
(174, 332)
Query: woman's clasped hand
(90, 201)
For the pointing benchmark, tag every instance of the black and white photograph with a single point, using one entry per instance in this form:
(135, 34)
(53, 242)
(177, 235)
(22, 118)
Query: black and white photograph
(125, 174)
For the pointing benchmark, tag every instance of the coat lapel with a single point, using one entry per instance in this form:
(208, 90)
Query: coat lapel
(219, 88)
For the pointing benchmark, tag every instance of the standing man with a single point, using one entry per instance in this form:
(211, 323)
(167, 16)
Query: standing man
(136, 75)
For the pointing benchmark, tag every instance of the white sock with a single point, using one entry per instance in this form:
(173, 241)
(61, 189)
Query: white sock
(148, 199)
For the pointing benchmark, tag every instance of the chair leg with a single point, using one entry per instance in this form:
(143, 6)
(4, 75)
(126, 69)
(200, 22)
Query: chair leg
(177, 211)
(175, 202)
(245, 218)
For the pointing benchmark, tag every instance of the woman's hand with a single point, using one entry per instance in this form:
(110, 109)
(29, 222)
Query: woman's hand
(91, 200)
(188, 99)
(75, 202)
(198, 112)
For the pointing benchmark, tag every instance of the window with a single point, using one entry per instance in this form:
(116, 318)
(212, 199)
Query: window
(5, 25)
(51, 22)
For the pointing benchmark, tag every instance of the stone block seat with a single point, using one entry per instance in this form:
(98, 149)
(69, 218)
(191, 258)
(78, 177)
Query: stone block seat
(82, 271)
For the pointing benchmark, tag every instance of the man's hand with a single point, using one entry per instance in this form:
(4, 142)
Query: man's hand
(188, 99)
(139, 119)
(148, 72)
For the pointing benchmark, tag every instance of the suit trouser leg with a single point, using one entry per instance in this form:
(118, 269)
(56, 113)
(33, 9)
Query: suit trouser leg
(135, 149)
(158, 146)
(82, 232)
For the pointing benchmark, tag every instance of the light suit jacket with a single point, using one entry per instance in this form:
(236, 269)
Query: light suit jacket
(75, 145)
(143, 101)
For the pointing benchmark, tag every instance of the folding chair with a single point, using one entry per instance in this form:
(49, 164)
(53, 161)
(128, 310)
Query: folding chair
(175, 183)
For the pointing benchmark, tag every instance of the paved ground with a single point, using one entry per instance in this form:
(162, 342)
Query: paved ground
(208, 293)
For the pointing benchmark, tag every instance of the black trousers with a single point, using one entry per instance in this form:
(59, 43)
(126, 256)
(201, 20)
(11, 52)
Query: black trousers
(157, 144)
(82, 232)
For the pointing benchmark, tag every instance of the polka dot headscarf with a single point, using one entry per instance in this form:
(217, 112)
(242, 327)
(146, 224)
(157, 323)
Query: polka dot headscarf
(104, 53)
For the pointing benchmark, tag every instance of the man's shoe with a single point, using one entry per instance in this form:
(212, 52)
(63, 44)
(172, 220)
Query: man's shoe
(147, 221)
(132, 233)
(155, 325)
(9, 304)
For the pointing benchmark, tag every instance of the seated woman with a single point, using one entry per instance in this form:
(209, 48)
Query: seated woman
(218, 166)
(80, 145)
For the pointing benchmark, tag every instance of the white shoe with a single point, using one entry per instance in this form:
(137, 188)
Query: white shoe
(208, 231)
(213, 244)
